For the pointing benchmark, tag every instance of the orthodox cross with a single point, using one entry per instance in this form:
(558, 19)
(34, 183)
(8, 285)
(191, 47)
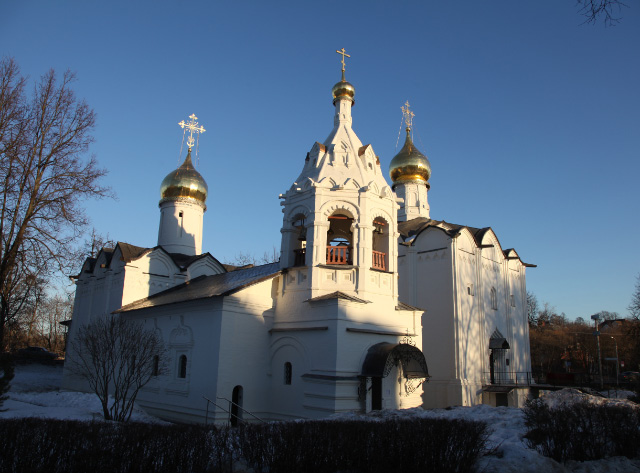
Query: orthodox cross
(342, 51)
(192, 127)
(408, 114)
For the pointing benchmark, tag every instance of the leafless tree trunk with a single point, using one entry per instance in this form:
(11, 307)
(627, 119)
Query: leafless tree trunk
(43, 140)
(117, 356)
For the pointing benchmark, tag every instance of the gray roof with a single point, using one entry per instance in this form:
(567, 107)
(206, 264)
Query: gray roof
(403, 306)
(417, 225)
(207, 286)
(413, 228)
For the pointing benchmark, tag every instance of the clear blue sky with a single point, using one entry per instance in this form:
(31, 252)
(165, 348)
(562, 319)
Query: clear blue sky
(531, 120)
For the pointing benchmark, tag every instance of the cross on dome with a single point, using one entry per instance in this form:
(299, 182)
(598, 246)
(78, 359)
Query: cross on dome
(192, 127)
(343, 52)
(407, 114)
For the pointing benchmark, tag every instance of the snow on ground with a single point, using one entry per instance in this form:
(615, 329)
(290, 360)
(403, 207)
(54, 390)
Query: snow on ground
(35, 393)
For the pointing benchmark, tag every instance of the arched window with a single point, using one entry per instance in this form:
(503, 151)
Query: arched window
(155, 370)
(288, 373)
(182, 367)
(494, 299)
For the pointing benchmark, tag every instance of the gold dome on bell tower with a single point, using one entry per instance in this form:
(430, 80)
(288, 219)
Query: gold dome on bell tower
(409, 164)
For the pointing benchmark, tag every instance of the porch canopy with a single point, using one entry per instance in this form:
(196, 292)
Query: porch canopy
(382, 357)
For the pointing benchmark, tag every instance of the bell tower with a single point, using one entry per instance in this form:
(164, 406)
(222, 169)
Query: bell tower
(182, 204)
(340, 215)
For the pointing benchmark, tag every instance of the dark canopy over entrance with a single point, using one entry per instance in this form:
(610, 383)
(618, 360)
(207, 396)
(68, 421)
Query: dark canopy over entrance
(382, 357)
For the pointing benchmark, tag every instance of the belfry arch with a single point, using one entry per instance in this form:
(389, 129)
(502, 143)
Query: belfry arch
(340, 242)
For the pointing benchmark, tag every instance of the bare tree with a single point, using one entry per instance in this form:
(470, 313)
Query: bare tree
(43, 141)
(634, 305)
(94, 244)
(532, 309)
(244, 259)
(608, 10)
(117, 357)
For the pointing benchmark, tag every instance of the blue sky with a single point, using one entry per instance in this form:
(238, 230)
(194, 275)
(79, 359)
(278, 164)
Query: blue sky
(531, 120)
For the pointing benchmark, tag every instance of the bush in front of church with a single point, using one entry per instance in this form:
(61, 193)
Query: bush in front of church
(50, 446)
(408, 444)
(582, 431)
(33, 445)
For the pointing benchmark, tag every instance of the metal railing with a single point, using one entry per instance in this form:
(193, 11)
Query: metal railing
(338, 255)
(379, 260)
(229, 411)
(511, 378)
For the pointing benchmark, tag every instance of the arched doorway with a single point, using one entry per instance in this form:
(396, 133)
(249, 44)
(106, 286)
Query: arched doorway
(381, 360)
(236, 406)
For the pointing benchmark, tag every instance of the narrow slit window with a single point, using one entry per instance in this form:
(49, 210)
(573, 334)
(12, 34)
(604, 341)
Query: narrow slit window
(182, 368)
(288, 373)
(156, 366)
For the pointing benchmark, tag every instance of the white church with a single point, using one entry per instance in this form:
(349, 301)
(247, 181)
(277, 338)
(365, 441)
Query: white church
(373, 305)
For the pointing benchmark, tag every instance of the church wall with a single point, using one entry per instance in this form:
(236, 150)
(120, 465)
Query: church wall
(97, 295)
(192, 329)
(152, 273)
(469, 312)
(495, 314)
(329, 341)
(180, 229)
(518, 315)
(244, 345)
(426, 281)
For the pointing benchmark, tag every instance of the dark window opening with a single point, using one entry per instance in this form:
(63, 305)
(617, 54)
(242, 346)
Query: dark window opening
(156, 366)
(299, 240)
(182, 369)
(288, 373)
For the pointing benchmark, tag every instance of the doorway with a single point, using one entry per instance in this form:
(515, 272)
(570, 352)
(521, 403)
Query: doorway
(376, 393)
(236, 406)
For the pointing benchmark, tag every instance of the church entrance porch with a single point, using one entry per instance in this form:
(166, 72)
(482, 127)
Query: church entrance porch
(395, 371)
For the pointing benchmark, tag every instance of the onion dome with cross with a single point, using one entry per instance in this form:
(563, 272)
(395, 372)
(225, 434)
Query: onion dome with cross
(343, 88)
(185, 182)
(409, 165)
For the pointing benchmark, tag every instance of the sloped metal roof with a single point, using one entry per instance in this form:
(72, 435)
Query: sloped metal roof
(403, 306)
(204, 287)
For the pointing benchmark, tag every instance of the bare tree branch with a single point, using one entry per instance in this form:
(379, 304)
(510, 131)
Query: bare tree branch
(43, 141)
(608, 10)
(118, 354)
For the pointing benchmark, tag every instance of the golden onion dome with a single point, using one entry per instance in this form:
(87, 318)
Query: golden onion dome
(185, 182)
(409, 164)
(343, 89)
